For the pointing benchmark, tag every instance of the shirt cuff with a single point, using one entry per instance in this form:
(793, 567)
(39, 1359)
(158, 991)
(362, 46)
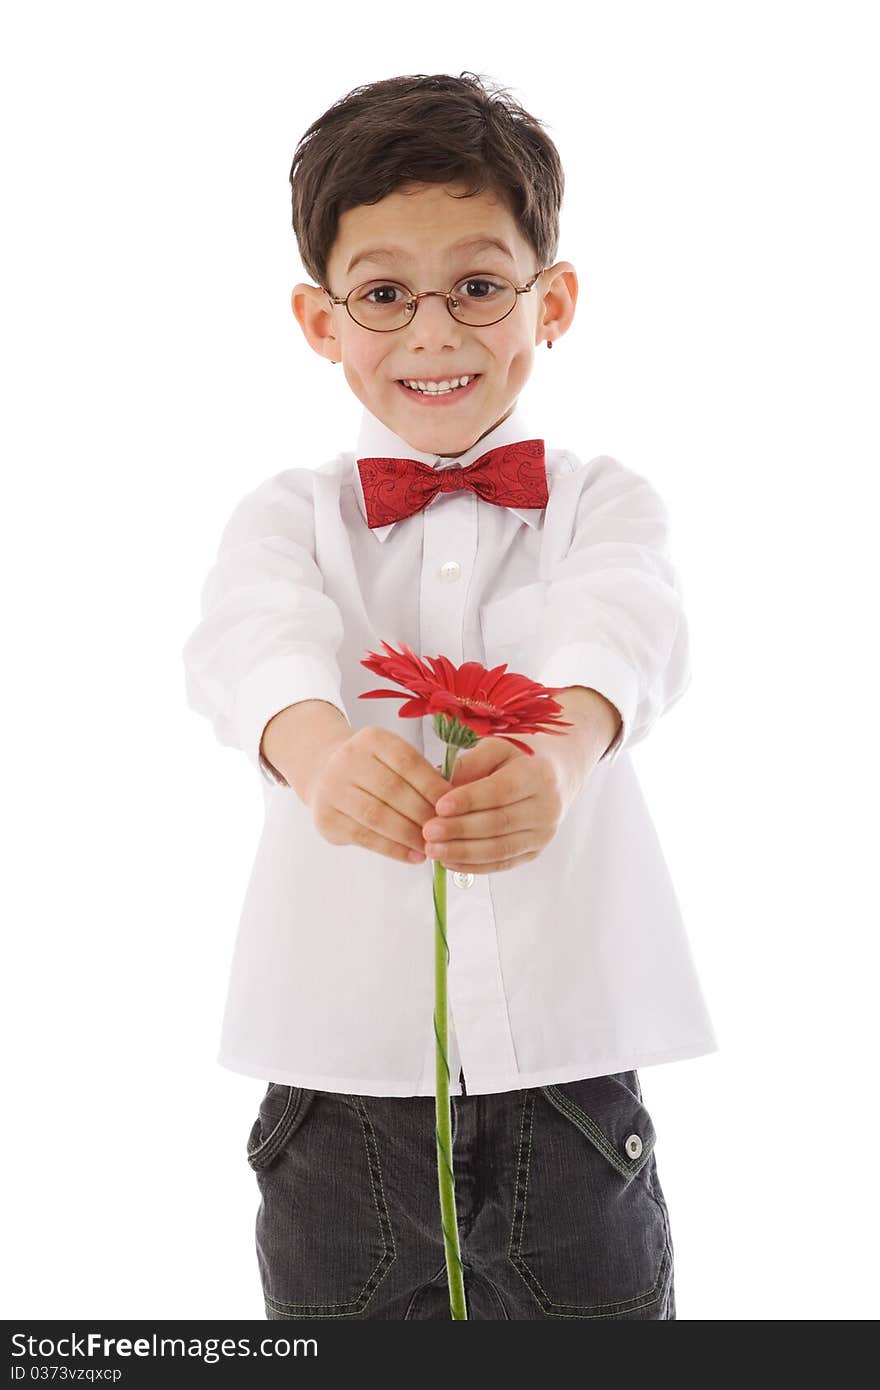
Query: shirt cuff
(270, 688)
(598, 668)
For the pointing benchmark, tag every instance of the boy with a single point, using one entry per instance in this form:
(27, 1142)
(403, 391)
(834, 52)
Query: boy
(426, 210)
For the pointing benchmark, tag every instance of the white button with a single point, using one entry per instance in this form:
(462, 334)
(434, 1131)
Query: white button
(450, 571)
(633, 1146)
(462, 880)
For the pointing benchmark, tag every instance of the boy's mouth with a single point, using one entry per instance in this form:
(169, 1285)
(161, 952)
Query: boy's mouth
(443, 393)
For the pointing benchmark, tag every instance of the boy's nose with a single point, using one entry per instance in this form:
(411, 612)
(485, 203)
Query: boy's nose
(433, 317)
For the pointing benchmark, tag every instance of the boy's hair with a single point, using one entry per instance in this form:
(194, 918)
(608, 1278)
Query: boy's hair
(423, 129)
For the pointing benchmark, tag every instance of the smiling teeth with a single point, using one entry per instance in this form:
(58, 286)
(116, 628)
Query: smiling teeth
(438, 388)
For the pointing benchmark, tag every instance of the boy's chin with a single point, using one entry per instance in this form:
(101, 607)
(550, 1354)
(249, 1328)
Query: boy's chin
(434, 430)
(447, 443)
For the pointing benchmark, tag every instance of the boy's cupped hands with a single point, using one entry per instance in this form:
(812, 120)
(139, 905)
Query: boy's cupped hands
(502, 808)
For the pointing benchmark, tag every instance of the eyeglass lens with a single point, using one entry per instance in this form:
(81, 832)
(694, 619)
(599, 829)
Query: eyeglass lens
(475, 300)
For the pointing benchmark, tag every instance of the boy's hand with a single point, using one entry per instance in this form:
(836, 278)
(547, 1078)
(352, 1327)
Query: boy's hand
(504, 806)
(375, 790)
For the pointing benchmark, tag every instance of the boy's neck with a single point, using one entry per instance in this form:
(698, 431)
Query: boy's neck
(375, 437)
(480, 436)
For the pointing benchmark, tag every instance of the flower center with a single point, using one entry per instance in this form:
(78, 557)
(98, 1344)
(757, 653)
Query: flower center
(475, 702)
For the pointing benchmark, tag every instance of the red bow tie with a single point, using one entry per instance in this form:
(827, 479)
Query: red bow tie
(512, 475)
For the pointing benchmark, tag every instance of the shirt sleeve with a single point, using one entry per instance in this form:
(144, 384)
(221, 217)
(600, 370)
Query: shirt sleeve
(268, 635)
(612, 617)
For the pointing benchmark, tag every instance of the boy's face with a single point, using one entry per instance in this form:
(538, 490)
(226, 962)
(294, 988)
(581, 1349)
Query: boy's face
(421, 227)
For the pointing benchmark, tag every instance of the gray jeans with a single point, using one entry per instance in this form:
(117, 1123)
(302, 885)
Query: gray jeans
(560, 1210)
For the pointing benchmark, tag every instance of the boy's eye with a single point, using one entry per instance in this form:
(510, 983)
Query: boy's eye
(474, 288)
(385, 293)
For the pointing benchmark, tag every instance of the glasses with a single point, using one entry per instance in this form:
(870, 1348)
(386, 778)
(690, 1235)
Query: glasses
(476, 300)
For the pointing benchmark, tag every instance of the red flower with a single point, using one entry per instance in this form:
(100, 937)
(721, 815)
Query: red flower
(469, 697)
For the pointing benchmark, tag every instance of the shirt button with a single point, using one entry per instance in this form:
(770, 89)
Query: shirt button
(462, 880)
(633, 1146)
(450, 571)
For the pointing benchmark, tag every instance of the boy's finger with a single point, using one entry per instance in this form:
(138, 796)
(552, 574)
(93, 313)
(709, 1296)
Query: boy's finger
(388, 830)
(414, 769)
(381, 844)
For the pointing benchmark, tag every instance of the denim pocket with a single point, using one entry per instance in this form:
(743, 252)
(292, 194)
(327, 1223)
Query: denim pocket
(323, 1228)
(589, 1236)
(608, 1111)
(282, 1111)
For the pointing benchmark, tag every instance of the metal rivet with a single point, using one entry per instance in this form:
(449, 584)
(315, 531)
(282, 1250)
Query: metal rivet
(633, 1146)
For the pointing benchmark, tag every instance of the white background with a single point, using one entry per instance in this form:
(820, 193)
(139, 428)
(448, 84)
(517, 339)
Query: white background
(721, 213)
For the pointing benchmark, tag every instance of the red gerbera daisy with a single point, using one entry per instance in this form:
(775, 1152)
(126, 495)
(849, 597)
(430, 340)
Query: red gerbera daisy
(468, 702)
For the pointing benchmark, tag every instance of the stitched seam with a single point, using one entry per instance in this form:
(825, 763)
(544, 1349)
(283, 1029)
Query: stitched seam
(389, 1255)
(620, 1305)
(293, 1093)
(528, 1275)
(528, 1161)
(513, 1223)
(591, 1130)
(588, 1127)
(637, 1301)
(384, 1218)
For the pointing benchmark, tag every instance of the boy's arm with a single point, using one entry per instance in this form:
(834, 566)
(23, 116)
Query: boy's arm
(612, 620)
(268, 635)
(297, 739)
(595, 724)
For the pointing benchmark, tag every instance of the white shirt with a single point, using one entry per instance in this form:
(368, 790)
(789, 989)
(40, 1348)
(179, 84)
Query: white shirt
(571, 965)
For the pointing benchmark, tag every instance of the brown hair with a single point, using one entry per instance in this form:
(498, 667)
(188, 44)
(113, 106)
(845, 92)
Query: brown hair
(423, 129)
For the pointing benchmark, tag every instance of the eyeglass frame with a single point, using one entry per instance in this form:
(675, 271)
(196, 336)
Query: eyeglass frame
(424, 294)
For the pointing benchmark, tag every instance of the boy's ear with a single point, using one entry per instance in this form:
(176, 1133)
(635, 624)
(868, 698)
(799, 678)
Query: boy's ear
(311, 309)
(558, 300)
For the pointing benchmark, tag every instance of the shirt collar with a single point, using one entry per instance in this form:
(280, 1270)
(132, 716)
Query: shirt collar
(376, 440)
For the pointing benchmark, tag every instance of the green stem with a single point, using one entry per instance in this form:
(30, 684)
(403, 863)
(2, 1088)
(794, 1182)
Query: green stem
(446, 1177)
